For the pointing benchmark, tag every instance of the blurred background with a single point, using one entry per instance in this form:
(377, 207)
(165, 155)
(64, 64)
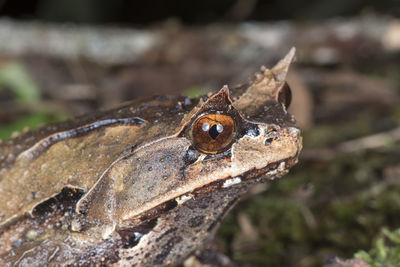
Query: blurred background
(60, 59)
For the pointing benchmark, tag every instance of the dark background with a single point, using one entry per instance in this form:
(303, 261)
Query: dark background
(142, 13)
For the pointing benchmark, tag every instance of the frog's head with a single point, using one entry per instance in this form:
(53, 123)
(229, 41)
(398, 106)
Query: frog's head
(251, 136)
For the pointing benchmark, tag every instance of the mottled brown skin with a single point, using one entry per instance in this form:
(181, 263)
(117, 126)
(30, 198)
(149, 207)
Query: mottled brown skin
(128, 186)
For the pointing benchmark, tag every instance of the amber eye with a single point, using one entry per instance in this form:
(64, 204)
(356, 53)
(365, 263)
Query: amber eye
(213, 133)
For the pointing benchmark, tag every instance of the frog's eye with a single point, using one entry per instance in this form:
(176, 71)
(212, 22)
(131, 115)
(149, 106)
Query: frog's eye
(213, 133)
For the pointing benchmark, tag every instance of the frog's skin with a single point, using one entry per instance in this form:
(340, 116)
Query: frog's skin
(128, 187)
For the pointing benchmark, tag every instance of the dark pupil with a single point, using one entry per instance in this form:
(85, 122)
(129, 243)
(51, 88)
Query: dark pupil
(213, 132)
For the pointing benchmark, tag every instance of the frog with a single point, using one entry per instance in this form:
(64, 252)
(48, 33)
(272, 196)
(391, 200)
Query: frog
(147, 183)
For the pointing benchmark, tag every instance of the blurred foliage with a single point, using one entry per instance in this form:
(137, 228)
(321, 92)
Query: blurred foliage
(15, 77)
(326, 133)
(386, 251)
(29, 121)
(194, 91)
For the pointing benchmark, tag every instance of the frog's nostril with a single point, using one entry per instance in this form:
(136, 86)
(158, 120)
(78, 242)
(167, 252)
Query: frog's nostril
(268, 141)
(272, 129)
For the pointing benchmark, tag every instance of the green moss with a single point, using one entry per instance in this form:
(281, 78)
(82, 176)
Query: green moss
(385, 252)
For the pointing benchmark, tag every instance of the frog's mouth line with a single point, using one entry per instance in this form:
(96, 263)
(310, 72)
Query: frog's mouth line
(250, 174)
(271, 170)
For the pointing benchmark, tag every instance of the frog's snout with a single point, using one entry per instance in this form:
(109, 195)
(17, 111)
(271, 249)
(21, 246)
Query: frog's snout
(294, 132)
(295, 136)
(286, 139)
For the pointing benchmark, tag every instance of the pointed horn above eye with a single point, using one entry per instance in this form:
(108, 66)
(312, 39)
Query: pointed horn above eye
(265, 86)
(283, 94)
(225, 89)
(218, 101)
(223, 92)
(281, 68)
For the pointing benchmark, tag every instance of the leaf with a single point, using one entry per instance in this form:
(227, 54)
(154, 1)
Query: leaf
(193, 91)
(364, 256)
(15, 77)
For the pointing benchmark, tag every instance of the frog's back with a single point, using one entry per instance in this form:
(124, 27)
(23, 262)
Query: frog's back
(37, 165)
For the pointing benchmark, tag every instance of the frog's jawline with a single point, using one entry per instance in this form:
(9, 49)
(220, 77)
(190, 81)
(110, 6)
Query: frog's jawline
(215, 185)
(85, 129)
